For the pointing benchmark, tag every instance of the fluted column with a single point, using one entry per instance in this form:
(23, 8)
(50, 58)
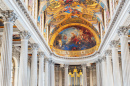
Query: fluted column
(66, 75)
(84, 75)
(125, 56)
(104, 72)
(91, 77)
(108, 54)
(34, 47)
(52, 73)
(60, 77)
(25, 35)
(97, 73)
(41, 69)
(16, 56)
(116, 68)
(46, 72)
(6, 51)
(29, 70)
(49, 71)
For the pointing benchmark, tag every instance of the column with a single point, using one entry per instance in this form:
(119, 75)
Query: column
(81, 78)
(115, 59)
(60, 77)
(29, 70)
(25, 35)
(109, 67)
(84, 75)
(125, 56)
(52, 73)
(104, 72)
(98, 73)
(66, 75)
(49, 71)
(34, 47)
(69, 78)
(41, 69)
(16, 56)
(91, 77)
(6, 51)
(46, 72)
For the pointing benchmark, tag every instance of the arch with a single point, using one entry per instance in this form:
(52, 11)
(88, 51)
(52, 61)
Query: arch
(73, 24)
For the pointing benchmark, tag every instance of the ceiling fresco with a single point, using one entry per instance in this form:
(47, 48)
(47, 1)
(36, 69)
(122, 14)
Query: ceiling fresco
(74, 38)
(71, 26)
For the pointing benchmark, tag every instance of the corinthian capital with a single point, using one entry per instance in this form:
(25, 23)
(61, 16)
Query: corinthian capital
(114, 43)
(108, 52)
(34, 46)
(24, 34)
(66, 65)
(9, 16)
(41, 54)
(123, 30)
(84, 65)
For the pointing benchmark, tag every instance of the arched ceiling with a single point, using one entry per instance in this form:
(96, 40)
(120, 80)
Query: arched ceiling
(72, 26)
